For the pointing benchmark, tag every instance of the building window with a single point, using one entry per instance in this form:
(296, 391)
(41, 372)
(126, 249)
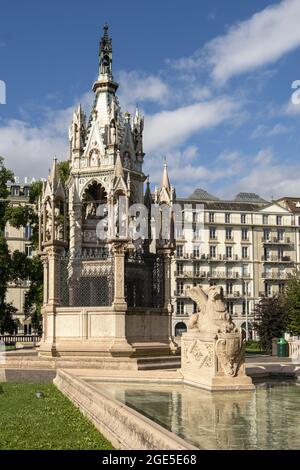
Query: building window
(26, 191)
(268, 289)
(196, 251)
(229, 304)
(179, 232)
(211, 217)
(280, 234)
(179, 250)
(179, 269)
(280, 253)
(228, 233)
(180, 307)
(27, 232)
(246, 290)
(27, 329)
(244, 252)
(245, 234)
(227, 218)
(212, 233)
(197, 233)
(298, 220)
(212, 251)
(245, 270)
(243, 218)
(179, 287)
(281, 287)
(266, 234)
(28, 250)
(195, 307)
(265, 219)
(180, 328)
(245, 308)
(228, 251)
(15, 191)
(229, 288)
(278, 220)
(196, 269)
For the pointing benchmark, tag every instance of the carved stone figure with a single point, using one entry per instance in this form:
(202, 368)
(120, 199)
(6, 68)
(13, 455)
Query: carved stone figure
(213, 315)
(212, 327)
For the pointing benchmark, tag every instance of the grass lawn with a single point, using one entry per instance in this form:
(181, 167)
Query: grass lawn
(52, 422)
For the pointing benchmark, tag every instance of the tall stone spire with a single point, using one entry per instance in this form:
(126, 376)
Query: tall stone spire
(105, 76)
(53, 177)
(165, 182)
(166, 192)
(119, 173)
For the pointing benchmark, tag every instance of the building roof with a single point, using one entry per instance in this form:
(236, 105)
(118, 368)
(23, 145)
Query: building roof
(249, 197)
(202, 195)
(291, 203)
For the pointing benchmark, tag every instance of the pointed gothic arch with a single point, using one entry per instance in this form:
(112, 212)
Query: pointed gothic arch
(93, 195)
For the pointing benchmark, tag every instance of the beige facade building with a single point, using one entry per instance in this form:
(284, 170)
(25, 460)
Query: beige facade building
(248, 246)
(19, 240)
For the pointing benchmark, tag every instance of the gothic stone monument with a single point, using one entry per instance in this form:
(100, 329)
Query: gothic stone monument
(213, 349)
(106, 294)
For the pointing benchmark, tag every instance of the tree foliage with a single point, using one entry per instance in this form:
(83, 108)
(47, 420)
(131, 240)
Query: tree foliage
(270, 319)
(64, 171)
(292, 294)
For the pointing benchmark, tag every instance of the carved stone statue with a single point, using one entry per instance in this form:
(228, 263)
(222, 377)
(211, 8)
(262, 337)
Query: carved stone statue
(213, 315)
(91, 209)
(213, 349)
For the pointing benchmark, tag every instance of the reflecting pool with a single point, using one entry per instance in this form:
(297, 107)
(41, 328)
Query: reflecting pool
(267, 418)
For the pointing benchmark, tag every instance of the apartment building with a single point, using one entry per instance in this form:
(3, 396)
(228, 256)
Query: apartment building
(247, 246)
(19, 239)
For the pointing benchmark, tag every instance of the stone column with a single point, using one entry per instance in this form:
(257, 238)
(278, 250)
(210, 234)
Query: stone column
(45, 279)
(120, 345)
(166, 253)
(51, 299)
(53, 275)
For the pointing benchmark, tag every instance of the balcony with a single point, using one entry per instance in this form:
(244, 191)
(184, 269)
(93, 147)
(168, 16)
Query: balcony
(276, 259)
(218, 258)
(276, 275)
(223, 275)
(232, 295)
(277, 241)
(180, 294)
(265, 294)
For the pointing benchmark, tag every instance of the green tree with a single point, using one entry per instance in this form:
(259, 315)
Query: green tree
(34, 295)
(292, 295)
(23, 267)
(7, 323)
(270, 319)
(64, 171)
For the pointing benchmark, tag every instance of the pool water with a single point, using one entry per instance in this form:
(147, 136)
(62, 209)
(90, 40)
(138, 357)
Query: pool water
(267, 418)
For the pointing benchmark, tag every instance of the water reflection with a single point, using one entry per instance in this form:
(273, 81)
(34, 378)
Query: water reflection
(265, 419)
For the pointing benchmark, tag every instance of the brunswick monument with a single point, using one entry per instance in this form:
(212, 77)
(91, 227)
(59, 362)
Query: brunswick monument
(107, 292)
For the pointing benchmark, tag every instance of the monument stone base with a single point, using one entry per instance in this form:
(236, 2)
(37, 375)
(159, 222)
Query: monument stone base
(209, 361)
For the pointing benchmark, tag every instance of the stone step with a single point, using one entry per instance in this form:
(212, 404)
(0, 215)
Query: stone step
(153, 363)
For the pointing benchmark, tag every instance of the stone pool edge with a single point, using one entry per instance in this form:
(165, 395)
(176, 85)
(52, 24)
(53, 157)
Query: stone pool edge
(125, 428)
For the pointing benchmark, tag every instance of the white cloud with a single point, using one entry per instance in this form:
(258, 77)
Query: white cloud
(258, 41)
(291, 109)
(169, 128)
(29, 150)
(269, 131)
(271, 181)
(137, 87)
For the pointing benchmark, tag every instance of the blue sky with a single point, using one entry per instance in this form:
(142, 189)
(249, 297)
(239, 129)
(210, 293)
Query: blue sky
(213, 79)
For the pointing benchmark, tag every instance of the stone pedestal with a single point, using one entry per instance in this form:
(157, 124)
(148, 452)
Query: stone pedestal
(214, 362)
